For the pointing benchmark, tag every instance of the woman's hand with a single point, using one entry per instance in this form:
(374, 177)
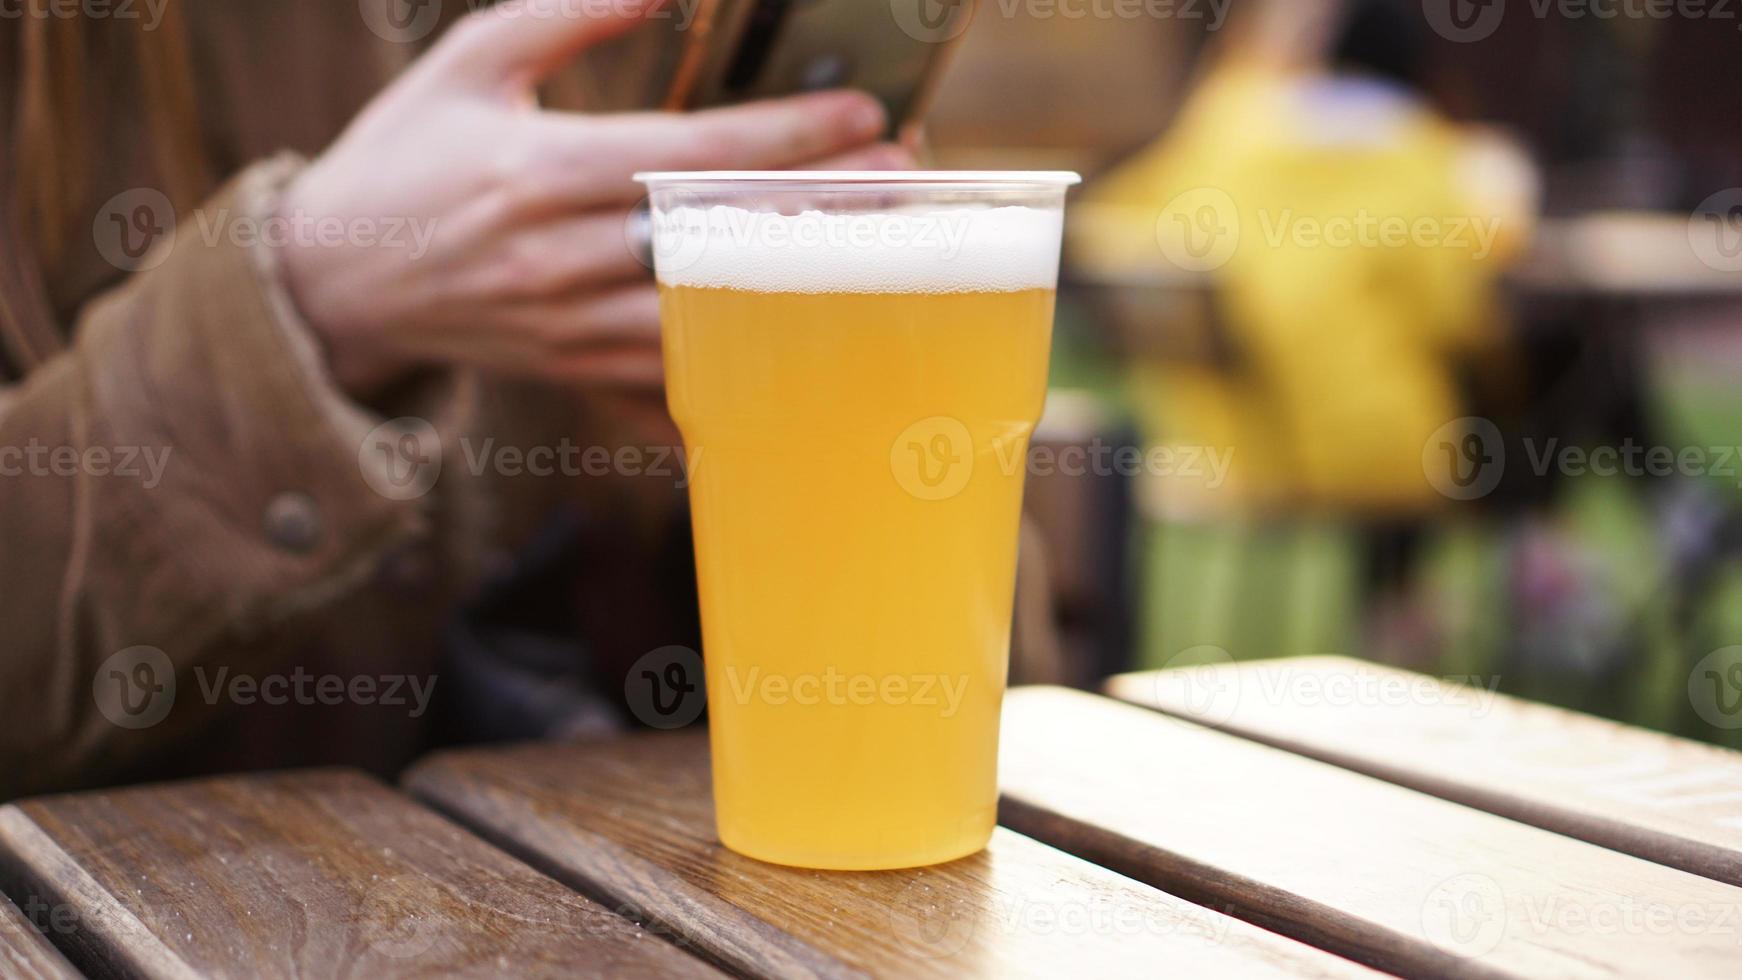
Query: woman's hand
(522, 266)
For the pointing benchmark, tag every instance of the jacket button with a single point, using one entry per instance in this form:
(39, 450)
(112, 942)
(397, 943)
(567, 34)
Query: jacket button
(293, 522)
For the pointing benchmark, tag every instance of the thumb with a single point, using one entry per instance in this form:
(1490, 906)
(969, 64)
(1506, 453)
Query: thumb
(520, 42)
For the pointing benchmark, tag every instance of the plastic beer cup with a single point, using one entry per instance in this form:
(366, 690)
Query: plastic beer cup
(856, 362)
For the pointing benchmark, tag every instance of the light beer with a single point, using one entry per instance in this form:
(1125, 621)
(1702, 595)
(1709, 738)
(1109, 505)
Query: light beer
(857, 420)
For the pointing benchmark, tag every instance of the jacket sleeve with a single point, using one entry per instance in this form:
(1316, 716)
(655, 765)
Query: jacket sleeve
(184, 476)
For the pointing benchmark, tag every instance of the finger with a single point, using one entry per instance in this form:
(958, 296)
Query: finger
(630, 370)
(520, 42)
(880, 156)
(600, 153)
(570, 253)
(913, 137)
(608, 239)
(642, 412)
(525, 339)
(637, 407)
(620, 317)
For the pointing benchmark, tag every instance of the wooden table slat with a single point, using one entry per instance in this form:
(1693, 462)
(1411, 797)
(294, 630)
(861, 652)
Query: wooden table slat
(24, 953)
(631, 821)
(1662, 798)
(310, 873)
(1402, 880)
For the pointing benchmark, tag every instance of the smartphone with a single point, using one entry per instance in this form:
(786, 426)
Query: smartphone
(895, 50)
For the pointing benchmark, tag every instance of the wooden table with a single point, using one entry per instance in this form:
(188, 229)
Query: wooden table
(1314, 817)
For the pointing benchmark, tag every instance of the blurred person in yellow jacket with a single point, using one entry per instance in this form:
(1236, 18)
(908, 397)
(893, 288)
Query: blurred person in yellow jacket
(1352, 235)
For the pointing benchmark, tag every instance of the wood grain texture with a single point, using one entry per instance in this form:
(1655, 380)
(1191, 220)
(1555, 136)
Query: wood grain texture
(324, 873)
(1407, 882)
(1662, 798)
(24, 953)
(631, 821)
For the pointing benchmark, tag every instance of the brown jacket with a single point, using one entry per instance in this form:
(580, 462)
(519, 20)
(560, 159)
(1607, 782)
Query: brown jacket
(187, 501)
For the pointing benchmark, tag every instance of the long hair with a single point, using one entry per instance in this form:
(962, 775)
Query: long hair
(65, 62)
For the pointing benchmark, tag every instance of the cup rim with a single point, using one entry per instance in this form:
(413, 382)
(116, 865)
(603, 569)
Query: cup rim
(1036, 178)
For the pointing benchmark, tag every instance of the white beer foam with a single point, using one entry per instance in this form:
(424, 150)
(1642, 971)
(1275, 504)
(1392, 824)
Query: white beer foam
(921, 251)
